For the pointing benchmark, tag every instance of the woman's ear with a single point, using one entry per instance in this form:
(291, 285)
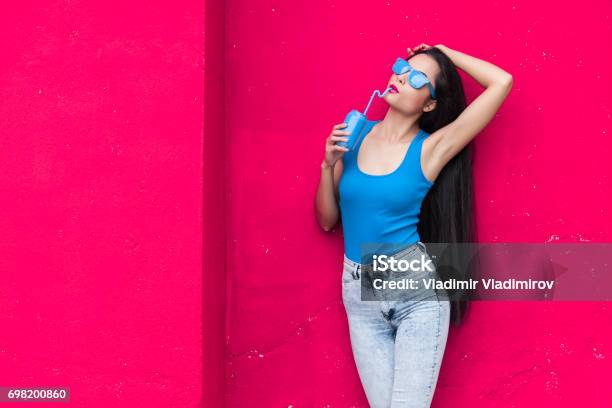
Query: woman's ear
(431, 105)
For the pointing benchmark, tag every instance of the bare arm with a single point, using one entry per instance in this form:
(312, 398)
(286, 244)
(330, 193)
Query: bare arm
(326, 204)
(452, 138)
(326, 200)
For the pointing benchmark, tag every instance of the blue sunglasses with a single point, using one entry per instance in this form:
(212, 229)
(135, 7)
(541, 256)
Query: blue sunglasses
(416, 79)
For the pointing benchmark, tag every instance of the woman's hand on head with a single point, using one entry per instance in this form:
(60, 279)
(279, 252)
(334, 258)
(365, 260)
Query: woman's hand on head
(420, 47)
(333, 152)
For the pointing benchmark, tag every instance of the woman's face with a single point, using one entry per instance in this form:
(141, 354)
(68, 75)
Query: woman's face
(409, 100)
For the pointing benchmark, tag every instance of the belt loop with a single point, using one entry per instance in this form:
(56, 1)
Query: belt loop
(422, 245)
(355, 272)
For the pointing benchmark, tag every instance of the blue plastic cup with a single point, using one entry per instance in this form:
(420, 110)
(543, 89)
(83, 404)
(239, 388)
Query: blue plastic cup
(355, 121)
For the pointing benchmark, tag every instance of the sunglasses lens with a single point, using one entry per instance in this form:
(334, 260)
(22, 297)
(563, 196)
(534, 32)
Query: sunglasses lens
(418, 80)
(401, 66)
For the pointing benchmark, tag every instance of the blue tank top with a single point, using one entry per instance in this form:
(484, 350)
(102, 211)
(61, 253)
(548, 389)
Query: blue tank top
(384, 208)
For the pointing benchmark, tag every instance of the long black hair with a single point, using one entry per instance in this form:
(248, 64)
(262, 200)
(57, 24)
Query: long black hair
(447, 211)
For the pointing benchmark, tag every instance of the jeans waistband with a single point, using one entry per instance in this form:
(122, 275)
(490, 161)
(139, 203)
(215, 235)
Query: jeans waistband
(356, 266)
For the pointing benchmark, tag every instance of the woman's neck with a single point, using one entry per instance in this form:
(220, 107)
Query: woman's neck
(397, 127)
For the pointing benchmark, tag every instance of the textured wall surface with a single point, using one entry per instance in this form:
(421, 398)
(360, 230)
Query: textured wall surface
(101, 195)
(542, 174)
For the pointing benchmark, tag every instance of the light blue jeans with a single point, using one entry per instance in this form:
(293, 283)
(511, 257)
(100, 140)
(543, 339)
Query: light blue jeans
(397, 345)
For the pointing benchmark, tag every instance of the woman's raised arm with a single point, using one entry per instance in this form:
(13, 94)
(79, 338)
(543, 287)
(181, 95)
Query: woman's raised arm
(452, 138)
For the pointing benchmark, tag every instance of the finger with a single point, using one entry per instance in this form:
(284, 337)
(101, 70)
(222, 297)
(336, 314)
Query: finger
(340, 148)
(339, 139)
(341, 132)
(340, 125)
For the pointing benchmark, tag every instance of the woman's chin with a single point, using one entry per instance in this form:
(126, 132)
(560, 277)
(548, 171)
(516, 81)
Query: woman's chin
(390, 98)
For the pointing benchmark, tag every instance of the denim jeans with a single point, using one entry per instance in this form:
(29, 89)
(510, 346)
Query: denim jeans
(397, 345)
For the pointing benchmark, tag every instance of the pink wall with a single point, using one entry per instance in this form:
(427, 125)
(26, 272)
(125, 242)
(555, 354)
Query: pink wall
(101, 247)
(542, 174)
(101, 189)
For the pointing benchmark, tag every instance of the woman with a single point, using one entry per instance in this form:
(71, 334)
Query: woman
(407, 181)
